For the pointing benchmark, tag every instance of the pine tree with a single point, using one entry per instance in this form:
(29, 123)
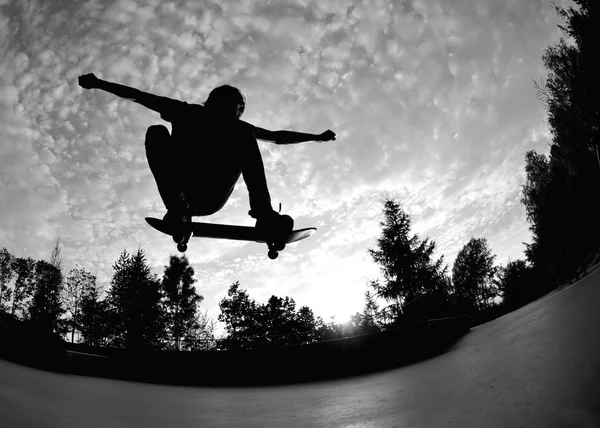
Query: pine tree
(136, 319)
(181, 302)
(46, 308)
(94, 320)
(406, 262)
(370, 319)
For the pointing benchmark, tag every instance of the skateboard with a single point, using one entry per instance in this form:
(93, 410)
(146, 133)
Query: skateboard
(236, 233)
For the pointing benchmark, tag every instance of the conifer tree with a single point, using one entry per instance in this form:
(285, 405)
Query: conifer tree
(181, 302)
(46, 307)
(94, 321)
(136, 319)
(407, 263)
(370, 319)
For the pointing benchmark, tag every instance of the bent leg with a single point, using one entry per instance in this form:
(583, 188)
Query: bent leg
(162, 161)
(253, 171)
(274, 225)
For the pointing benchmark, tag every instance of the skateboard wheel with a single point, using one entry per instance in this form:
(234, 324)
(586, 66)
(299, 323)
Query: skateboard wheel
(182, 248)
(279, 246)
(273, 254)
(181, 239)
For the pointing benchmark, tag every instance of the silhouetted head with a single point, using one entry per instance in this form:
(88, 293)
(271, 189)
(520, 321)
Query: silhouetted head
(227, 101)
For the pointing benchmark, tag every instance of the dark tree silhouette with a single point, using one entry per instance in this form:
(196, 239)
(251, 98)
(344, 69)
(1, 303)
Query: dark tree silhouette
(406, 262)
(239, 313)
(473, 275)
(572, 85)
(94, 321)
(46, 308)
(307, 325)
(180, 302)
(515, 284)
(369, 321)
(6, 274)
(136, 319)
(78, 282)
(560, 194)
(202, 336)
(275, 323)
(24, 285)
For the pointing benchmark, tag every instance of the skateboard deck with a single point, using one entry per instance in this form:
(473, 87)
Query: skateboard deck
(231, 232)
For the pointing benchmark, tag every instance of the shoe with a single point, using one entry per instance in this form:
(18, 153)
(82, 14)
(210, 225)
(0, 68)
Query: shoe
(179, 221)
(273, 225)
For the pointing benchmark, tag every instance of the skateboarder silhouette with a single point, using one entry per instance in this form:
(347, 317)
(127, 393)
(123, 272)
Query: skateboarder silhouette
(197, 166)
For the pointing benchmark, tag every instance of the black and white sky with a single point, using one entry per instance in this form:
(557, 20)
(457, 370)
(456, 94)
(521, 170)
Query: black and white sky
(432, 101)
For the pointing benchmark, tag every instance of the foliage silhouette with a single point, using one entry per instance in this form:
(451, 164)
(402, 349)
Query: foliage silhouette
(250, 325)
(24, 286)
(135, 315)
(46, 308)
(370, 320)
(78, 283)
(6, 274)
(407, 264)
(516, 284)
(180, 303)
(560, 193)
(94, 324)
(473, 276)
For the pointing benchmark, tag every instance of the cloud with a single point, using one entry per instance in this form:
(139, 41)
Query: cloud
(432, 102)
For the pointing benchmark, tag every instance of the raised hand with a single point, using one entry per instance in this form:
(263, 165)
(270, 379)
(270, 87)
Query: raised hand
(88, 81)
(328, 135)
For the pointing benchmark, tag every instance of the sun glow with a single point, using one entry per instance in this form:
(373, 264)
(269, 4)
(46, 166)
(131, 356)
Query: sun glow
(342, 314)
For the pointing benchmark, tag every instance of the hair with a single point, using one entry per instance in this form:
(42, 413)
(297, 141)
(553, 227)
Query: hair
(227, 100)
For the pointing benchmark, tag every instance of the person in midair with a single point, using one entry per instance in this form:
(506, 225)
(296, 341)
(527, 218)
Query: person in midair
(197, 165)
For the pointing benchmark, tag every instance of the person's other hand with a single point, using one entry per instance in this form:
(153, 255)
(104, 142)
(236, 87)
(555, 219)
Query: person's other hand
(328, 135)
(88, 81)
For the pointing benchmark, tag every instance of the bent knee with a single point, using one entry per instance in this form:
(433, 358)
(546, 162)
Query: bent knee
(157, 134)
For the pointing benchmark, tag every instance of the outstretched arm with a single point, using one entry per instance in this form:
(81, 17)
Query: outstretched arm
(153, 102)
(291, 137)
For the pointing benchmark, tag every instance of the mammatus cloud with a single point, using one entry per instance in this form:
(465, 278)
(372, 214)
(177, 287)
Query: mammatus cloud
(432, 103)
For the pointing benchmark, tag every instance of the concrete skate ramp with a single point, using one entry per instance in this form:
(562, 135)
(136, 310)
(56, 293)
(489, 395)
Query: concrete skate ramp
(536, 367)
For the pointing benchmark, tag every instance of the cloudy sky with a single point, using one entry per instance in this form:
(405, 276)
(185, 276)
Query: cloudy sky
(432, 101)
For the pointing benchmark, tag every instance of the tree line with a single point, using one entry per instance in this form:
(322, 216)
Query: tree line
(139, 310)
(560, 196)
(561, 189)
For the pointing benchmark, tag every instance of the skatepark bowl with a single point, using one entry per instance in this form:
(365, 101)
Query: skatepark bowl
(538, 366)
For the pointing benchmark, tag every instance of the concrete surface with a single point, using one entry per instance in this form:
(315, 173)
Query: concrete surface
(536, 367)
